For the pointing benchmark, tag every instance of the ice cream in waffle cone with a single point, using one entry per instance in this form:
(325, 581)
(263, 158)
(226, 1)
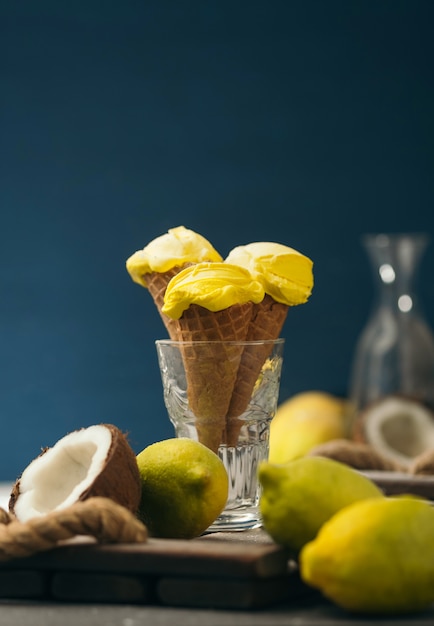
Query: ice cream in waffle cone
(157, 282)
(212, 305)
(287, 279)
(161, 259)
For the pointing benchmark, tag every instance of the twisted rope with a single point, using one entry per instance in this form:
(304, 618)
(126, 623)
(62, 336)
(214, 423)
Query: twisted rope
(101, 518)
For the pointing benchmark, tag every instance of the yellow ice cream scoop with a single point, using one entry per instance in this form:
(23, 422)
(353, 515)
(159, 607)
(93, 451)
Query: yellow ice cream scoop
(287, 275)
(175, 248)
(214, 286)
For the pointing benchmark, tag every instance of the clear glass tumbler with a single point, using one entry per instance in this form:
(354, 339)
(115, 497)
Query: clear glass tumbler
(224, 394)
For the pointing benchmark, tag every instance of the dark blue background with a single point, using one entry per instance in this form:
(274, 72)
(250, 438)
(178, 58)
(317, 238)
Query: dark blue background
(305, 122)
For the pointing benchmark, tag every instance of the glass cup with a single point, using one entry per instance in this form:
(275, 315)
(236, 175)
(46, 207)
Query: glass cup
(224, 394)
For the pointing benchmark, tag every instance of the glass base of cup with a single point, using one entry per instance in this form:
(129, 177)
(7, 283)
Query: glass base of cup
(242, 508)
(231, 521)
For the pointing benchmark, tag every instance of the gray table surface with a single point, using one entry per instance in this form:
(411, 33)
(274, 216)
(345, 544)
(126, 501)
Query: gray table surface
(310, 612)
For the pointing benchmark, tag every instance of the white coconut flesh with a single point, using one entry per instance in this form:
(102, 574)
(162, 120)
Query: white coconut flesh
(401, 429)
(58, 477)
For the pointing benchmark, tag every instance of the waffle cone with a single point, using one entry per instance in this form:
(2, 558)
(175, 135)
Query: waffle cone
(268, 318)
(211, 368)
(156, 283)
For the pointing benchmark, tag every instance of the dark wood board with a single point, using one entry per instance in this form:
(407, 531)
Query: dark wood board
(400, 483)
(221, 570)
(240, 557)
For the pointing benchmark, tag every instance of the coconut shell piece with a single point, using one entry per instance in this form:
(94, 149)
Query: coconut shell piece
(397, 426)
(423, 465)
(90, 462)
(359, 456)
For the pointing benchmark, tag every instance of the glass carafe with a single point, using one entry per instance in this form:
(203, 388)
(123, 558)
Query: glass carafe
(395, 351)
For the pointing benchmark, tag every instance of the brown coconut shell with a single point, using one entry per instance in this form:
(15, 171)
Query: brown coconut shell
(118, 480)
(360, 421)
(360, 430)
(423, 465)
(359, 456)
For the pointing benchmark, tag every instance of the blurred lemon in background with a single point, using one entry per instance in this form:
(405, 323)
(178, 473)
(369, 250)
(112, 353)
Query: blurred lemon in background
(305, 420)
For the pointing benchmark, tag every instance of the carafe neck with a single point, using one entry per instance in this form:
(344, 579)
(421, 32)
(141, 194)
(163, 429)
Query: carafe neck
(395, 261)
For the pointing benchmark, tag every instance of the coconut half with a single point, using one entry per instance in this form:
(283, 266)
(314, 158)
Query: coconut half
(93, 461)
(400, 428)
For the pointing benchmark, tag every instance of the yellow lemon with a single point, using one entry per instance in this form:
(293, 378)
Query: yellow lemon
(375, 556)
(298, 497)
(304, 421)
(184, 488)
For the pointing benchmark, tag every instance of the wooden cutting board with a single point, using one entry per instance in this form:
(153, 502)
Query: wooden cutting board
(221, 570)
(399, 483)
